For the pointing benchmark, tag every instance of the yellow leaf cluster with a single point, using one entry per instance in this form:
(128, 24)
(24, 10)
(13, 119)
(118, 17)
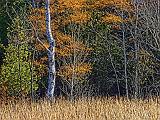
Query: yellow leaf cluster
(78, 17)
(41, 47)
(104, 3)
(71, 4)
(111, 18)
(37, 18)
(66, 46)
(71, 71)
(62, 38)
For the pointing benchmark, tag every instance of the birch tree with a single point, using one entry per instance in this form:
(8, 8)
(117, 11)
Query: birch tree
(51, 53)
(66, 44)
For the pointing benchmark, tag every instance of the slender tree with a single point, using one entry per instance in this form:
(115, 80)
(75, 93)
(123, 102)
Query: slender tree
(51, 53)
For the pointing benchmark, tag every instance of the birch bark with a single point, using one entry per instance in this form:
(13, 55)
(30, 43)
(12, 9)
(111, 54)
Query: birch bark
(51, 53)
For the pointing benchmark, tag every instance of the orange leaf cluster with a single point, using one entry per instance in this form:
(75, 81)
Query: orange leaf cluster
(41, 47)
(104, 3)
(37, 18)
(71, 71)
(71, 4)
(78, 17)
(66, 46)
(111, 18)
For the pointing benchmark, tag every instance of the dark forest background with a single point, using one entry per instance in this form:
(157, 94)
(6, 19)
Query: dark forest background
(103, 49)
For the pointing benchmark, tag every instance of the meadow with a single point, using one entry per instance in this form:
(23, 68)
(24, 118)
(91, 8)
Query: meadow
(82, 109)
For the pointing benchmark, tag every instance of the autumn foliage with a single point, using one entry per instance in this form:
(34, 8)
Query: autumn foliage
(69, 12)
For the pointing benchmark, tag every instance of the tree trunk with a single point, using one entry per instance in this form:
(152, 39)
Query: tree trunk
(125, 57)
(51, 53)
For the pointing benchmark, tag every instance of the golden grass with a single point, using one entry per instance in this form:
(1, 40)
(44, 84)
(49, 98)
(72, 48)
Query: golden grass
(84, 109)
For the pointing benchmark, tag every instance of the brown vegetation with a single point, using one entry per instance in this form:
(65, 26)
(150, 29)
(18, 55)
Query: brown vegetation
(85, 109)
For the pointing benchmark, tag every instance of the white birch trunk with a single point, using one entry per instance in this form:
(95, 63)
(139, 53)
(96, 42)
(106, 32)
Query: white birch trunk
(51, 53)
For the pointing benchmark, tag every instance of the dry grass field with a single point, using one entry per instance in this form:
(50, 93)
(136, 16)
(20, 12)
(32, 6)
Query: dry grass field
(85, 109)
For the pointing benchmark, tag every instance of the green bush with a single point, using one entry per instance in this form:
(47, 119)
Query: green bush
(16, 71)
